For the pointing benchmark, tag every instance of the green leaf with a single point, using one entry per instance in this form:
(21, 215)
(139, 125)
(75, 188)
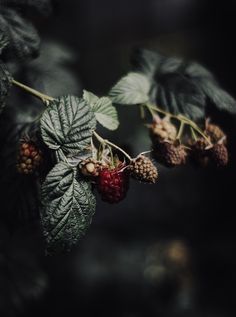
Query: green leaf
(68, 207)
(220, 98)
(67, 124)
(180, 86)
(5, 84)
(91, 99)
(131, 90)
(103, 109)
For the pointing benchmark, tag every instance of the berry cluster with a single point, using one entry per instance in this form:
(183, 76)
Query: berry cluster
(111, 176)
(215, 152)
(172, 149)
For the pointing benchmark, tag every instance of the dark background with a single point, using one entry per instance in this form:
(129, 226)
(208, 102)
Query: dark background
(122, 266)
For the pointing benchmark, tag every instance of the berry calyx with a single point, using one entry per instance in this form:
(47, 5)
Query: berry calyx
(91, 167)
(215, 133)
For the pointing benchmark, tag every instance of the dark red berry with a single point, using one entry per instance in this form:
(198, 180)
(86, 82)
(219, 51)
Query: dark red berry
(113, 184)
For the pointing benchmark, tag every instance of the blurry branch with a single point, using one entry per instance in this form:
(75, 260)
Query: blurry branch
(33, 92)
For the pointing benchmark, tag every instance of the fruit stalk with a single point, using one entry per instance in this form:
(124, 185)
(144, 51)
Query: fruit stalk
(104, 141)
(180, 118)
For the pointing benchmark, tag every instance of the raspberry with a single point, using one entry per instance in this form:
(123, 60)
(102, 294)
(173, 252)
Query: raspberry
(170, 154)
(219, 155)
(29, 157)
(113, 184)
(90, 167)
(215, 133)
(143, 169)
(162, 129)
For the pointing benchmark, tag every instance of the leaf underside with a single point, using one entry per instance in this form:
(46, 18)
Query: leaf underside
(103, 109)
(131, 89)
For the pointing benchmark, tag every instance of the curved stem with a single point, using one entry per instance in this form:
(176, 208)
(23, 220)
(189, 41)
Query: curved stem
(151, 107)
(180, 118)
(103, 141)
(181, 129)
(151, 110)
(196, 128)
(33, 92)
(193, 134)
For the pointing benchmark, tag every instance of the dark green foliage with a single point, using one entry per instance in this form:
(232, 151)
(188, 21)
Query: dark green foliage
(67, 124)
(22, 36)
(179, 86)
(68, 207)
(42, 6)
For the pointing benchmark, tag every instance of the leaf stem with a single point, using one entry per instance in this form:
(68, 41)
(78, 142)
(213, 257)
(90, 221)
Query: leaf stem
(45, 99)
(103, 141)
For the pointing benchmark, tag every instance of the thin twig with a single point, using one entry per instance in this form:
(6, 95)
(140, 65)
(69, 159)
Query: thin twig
(45, 99)
(181, 118)
(104, 141)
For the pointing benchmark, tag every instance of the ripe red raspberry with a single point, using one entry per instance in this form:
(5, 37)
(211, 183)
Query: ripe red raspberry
(29, 157)
(113, 184)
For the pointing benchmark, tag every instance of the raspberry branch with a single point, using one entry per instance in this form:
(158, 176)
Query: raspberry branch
(193, 134)
(44, 98)
(104, 141)
(182, 119)
(181, 129)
